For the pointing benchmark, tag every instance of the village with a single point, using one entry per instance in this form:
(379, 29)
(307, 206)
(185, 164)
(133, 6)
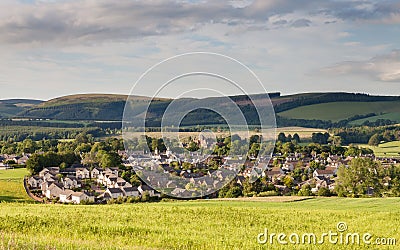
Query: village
(79, 184)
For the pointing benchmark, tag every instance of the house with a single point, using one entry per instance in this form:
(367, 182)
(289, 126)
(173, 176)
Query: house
(53, 170)
(113, 171)
(22, 160)
(44, 186)
(180, 192)
(65, 196)
(71, 182)
(130, 191)
(78, 197)
(114, 192)
(323, 173)
(145, 188)
(35, 182)
(240, 180)
(121, 183)
(273, 172)
(110, 180)
(68, 171)
(82, 173)
(95, 172)
(54, 191)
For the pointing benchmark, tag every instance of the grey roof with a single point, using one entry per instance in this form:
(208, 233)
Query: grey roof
(130, 189)
(114, 190)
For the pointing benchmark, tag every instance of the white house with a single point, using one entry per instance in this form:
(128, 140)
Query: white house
(114, 192)
(35, 182)
(144, 188)
(54, 191)
(82, 173)
(95, 172)
(78, 197)
(65, 196)
(70, 183)
(323, 173)
(130, 191)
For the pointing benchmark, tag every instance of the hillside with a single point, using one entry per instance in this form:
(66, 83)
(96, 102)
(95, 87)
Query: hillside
(11, 107)
(337, 111)
(305, 109)
(101, 107)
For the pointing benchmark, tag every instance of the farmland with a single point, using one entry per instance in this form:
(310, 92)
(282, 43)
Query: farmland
(197, 224)
(190, 224)
(11, 187)
(385, 149)
(336, 111)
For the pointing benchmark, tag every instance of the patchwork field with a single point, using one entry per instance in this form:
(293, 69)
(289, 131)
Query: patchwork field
(336, 111)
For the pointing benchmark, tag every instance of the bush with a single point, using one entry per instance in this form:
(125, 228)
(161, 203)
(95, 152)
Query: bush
(324, 192)
(268, 193)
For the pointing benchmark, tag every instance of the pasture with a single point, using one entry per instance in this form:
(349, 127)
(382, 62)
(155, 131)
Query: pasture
(11, 185)
(336, 111)
(386, 149)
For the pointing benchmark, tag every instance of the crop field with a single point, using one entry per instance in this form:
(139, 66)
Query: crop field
(193, 224)
(199, 224)
(385, 149)
(336, 111)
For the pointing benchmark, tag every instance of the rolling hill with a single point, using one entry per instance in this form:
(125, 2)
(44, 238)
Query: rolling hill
(12, 107)
(306, 109)
(337, 111)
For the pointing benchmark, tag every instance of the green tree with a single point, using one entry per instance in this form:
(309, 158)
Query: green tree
(362, 174)
(374, 140)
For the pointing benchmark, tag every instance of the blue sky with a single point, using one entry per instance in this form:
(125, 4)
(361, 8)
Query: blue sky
(55, 48)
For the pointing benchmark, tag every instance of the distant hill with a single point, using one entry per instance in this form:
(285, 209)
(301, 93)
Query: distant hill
(12, 107)
(337, 111)
(305, 109)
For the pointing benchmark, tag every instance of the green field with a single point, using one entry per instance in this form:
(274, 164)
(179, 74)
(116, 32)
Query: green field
(385, 149)
(192, 224)
(388, 116)
(11, 185)
(336, 111)
(201, 224)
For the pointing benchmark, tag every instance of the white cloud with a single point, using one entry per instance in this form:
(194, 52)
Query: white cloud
(385, 68)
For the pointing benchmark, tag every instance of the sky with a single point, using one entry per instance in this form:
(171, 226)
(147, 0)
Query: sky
(55, 48)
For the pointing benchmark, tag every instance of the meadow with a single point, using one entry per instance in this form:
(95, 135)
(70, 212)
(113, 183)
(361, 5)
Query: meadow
(198, 224)
(336, 111)
(385, 149)
(11, 185)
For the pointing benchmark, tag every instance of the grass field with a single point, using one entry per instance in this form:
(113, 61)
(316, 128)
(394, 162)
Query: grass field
(201, 224)
(389, 116)
(336, 111)
(192, 224)
(385, 149)
(11, 185)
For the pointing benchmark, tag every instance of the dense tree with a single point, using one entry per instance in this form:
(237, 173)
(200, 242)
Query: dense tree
(361, 175)
(374, 140)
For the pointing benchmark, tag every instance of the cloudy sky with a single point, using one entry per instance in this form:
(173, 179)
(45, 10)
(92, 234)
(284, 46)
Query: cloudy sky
(53, 48)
